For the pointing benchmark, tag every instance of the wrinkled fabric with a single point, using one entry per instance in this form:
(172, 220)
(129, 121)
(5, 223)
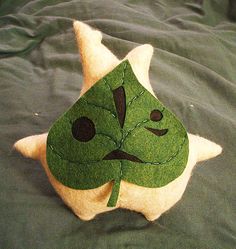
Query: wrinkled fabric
(192, 72)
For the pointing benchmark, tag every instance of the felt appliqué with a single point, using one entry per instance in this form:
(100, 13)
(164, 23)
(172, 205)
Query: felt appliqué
(117, 131)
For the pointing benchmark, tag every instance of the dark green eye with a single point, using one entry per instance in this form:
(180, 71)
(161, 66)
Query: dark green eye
(83, 129)
(156, 115)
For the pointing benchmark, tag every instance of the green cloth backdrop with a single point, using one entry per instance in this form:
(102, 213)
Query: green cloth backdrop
(193, 72)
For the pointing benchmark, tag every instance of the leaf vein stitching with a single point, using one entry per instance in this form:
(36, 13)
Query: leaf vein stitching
(97, 161)
(129, 131)
(110, 137)
(136, 126)
(108, 85)
(70, 161)
(171, 157)
(102, 107)
(135, 98)
(123, 74)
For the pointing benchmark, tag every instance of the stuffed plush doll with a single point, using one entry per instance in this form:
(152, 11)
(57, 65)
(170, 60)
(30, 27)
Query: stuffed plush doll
(118, 146)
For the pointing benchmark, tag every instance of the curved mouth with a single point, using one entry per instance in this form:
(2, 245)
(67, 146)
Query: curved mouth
(157, 132)
(119, 154)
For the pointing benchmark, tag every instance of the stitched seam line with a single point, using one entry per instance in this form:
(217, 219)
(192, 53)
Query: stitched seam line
(130, 131)
(97, 161)
(71, 161)
(108, 85)
(127, 134)
(110, 137)
(171, 157)
(102, 107)
(105, 81)
(123, 74)
(135, 98)
(136, 126)
(122, 79)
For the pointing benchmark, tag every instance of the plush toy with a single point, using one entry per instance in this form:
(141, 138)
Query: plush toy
(118, 146)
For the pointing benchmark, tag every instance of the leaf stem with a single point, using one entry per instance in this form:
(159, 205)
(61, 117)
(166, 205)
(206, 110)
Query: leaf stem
(114, 194)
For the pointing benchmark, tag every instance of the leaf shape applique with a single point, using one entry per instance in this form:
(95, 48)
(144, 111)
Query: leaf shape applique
(117, 131)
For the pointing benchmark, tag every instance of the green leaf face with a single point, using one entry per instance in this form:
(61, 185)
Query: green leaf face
(117, 131)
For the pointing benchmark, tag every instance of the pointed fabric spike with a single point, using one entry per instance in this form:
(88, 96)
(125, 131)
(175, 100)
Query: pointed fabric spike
(140, 58)
(31, 146)
(97, 60)
(205, 149)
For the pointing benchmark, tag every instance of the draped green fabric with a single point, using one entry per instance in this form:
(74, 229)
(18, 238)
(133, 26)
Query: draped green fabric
(193, 74)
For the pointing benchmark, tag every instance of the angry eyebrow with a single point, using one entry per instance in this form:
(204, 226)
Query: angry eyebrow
(120, 103)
